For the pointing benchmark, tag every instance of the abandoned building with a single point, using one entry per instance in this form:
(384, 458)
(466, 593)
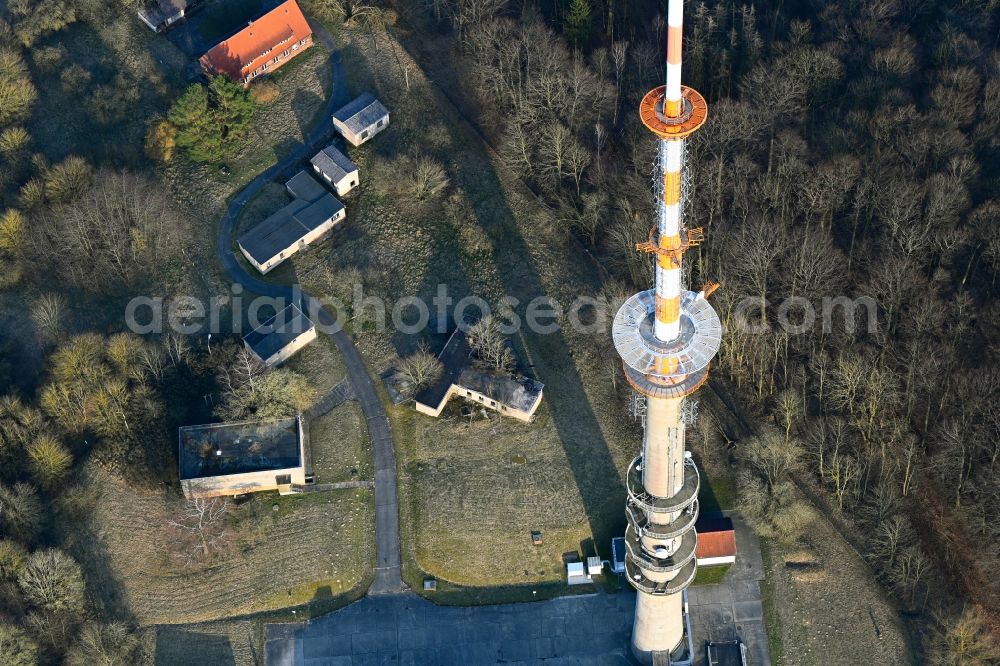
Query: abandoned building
(336, 168)
(265, 45)
(281, 336)
(159, 15)
(510, 395)
(225, 459)
(289, 230)
(361, 119)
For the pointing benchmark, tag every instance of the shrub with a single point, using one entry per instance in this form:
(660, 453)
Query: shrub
(74, 78)
(12, 559)
(52, 581)
(17, 647)
(50, 460)
(161, 140)
(106, 644)
(17, 93)
(11, 231)
(13, 140)
(21, 512)
(265, 92)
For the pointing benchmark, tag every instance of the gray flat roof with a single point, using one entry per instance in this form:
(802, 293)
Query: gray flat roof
(218, 449)
(361, 113)
(277, 332)
(304, 186)
(333, 163)
(285, 227)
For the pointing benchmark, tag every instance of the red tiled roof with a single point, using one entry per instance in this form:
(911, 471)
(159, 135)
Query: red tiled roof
(245, 51)
(716, 544)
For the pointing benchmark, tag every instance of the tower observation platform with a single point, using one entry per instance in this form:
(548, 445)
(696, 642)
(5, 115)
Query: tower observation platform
(667, 337)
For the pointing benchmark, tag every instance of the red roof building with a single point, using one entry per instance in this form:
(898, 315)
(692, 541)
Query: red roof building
(716, 541)
(263, 46)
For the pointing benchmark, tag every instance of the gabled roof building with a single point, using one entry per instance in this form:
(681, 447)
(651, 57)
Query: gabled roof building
(263, 46)
(336, 169)
(278, 338)
(289, 230)
(361, 119)
(159, 15)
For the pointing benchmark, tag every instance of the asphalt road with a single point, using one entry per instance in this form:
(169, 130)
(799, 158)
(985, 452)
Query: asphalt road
(387, 571)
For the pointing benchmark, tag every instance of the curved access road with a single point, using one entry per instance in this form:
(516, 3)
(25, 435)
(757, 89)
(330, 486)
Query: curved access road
(387, 570)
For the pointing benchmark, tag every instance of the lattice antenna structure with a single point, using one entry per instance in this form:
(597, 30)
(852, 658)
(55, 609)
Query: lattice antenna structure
(667, 337)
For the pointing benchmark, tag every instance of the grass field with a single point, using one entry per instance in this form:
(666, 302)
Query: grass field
(710, 575)
(820, 597)
(313, 548)
(468, 502)
(340, 445)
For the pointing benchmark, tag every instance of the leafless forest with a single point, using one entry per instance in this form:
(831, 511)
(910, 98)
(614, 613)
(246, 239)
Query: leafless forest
(851, 151)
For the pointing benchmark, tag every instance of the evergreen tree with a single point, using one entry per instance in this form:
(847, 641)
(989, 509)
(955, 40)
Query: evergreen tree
(211, 120)
(578, 23)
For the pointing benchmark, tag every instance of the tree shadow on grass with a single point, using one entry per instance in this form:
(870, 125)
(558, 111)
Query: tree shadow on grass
(593, 467)
(178, 646)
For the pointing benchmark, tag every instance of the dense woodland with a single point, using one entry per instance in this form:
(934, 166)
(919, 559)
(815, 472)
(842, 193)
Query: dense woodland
(852, 150)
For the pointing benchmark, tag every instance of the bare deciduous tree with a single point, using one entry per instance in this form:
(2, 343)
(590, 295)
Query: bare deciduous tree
(202, 529)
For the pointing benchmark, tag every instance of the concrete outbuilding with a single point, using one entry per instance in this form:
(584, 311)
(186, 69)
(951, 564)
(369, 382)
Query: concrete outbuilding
(290, 230)
(336, 169)
(361, 119)
(225, 459)
(281, 336)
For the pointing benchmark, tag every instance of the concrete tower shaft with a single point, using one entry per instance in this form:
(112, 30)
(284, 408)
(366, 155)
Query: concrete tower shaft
(667, 337)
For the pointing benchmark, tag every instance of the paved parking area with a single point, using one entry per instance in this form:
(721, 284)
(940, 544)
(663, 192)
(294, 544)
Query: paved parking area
(587, 630)
(406, 629)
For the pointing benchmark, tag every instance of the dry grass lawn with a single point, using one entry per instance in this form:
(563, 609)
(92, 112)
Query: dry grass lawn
(468, 503)
(313, 547)
(340, 445)
(829, 608)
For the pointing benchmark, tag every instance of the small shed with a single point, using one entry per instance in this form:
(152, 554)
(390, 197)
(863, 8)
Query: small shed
(594, 566)
(716, 541)
(575, 573)
(278, 338)
(336, 168)
(305, 187)
(361, 119)
(289, 230)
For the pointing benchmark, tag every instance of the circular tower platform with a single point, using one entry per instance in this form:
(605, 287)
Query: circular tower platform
(690, 352)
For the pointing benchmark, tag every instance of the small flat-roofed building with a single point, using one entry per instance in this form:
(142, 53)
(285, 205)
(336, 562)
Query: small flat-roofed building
(225, 459)
(159, 15)
(305, 187)
(361, 119)
(618, 555)
(278, 338)
(336, 168)
(289, 230)
(511, 395)
(267, 43)
(716, 541)
(725, 653)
